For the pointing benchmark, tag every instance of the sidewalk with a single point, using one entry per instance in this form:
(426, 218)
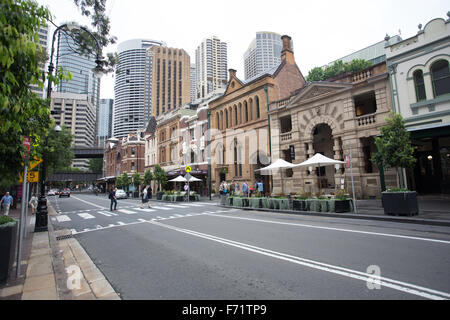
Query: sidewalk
(431, 212)
(51, 263)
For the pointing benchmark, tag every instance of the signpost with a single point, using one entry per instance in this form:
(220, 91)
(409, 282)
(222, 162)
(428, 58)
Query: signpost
(188, 177)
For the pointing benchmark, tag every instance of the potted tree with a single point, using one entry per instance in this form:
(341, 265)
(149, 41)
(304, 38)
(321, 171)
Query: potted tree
(160, 177)
(299, 203)
(8, 234)
(341, 202)
(394, 150)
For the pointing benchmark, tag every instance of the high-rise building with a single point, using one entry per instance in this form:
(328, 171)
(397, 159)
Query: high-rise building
(171, 83)
(193, 82)
(263, 53)
(211, 64)
(132, 90)
(84, 81)
(43, 41)
(76, 112)
(104, 121)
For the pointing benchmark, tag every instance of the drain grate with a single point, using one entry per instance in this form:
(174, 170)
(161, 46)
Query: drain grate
(68, 236)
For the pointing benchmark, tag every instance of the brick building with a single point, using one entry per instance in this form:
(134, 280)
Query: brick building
(240, 141)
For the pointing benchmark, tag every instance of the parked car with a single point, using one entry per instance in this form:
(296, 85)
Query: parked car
(120, 194)
(52, 192)
(64, 193)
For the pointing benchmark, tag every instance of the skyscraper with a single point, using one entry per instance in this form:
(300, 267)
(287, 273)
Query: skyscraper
(43, 41)
(171, 83)
(80, 66)
(104, 121)
(263, 53)
(211, 64)
(193, 82)
(132, 90)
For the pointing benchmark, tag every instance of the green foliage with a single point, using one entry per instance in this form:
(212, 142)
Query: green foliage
(393, 190)
(126, 181)
(302, 195)
(394, 148)
(119, 182)
(320, 195)
(58, 151)
(96, 165)
(341, 195)
(160, 176)
(338, 67)
(137, 180)
(5, 220)
(148, 177)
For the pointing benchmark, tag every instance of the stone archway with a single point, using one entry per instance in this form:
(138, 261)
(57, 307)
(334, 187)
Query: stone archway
(323, 143)
(260, 160)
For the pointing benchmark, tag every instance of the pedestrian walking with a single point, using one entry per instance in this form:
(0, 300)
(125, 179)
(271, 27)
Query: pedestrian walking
(112, 197)
(33, 203)
(150, 192)
(237, 189)
(6, 202)
(221, 188)
(145, 197)
(245, 189)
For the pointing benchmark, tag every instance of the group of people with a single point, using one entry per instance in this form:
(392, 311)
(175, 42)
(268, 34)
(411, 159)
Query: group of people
(7, 201)
(235, 188)
(146, 195)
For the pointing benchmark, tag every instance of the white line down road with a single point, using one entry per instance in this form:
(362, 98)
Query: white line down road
(354, 274)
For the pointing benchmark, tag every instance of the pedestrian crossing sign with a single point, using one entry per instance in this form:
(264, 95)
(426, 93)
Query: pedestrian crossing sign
(188, 169)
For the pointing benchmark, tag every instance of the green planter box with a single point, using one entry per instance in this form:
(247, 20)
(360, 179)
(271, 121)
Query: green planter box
(323, 204)
(299, 205)
(313, 205)
(256, 203)
(237, 202)
(331, 205)
(342, 206)
(230, 201)
(8, 236)
(400, 203)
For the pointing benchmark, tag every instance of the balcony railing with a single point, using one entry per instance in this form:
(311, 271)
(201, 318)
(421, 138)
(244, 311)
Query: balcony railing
(366, 120)
(284, 137)
(361, 76)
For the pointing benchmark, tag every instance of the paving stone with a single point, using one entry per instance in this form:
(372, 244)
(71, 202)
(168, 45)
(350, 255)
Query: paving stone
(86, 296)
(92, 274)
(110, 296)
(9, 291)
(42, 294)
(101, 288)
(39, 282)
(83, 289)
(40, 252)
(40, 265)
(86, 264)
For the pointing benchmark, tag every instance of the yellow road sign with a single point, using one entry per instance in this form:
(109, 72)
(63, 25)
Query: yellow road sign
(34, 164)
(188, 169)
(32, 176)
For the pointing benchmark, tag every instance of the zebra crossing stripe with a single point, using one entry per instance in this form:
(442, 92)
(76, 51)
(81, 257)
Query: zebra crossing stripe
(146, 210)
(105, 213)
(160, 218)
(161, 208)
(86, 216)
(127, 211)
(176, 206)
(121, 223)
(63, 218)
(178, 215)
(193, 205)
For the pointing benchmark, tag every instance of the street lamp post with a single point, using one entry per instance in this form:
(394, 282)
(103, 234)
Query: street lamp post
(42, 213)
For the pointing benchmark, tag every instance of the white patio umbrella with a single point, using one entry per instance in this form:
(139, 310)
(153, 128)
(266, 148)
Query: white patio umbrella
(178, 179)
(279, 164)
(194, 179)
(319, 160)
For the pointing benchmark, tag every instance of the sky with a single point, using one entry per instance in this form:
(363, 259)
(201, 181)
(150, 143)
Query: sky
(322, 31)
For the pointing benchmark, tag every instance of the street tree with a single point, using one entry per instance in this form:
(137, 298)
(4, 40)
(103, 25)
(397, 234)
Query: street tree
(160, 176)
(126, 181)
(394, 149)
(137, 180)
(148, 177)
(58, 151)
(96, 165)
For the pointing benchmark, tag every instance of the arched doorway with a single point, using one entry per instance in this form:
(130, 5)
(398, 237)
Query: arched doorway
(323, 144)
(260, 160)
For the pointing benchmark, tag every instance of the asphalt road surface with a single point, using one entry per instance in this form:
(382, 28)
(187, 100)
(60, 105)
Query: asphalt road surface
(199, 251)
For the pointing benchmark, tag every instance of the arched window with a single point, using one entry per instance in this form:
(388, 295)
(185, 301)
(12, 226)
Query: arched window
(246, 111)
(218, 121)
(440, 76)
(257, 108)
(240, 113)
(250, 102)
(420, 85)
(235, 116)
(230, 113)
(221, 120)
(237, 159)
(226, 118)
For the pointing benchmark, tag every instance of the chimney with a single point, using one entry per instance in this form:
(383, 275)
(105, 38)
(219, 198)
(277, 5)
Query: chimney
(232, 73)
(287, 55)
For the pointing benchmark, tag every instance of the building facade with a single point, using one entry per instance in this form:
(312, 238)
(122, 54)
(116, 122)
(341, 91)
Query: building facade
(263, 53)
(104, 121)
(211, 66)
(43, 41)
(171, 79)
(132, 89)
(420, 81)
(193, 82)
(83, 81)
(77, 113)
(338, 118)
(240, 138)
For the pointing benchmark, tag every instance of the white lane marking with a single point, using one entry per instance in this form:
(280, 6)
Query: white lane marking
(390, 283)
(99, 227)
(333, 229)
(73, 231)
(176, 206)
(63, 218)
(92, 204)
(193, 205)
(86, 216)
(142, 220)
(179, 215)
(171, 217)
(104, 213)
(160, 218)
(121, 223)
(145, 210)
(126, 211)
(160, 208)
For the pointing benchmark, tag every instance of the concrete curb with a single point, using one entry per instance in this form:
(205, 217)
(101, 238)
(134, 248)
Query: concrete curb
(350, 216)
(77, 277)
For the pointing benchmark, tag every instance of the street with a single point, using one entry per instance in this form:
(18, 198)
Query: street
(200, 251)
